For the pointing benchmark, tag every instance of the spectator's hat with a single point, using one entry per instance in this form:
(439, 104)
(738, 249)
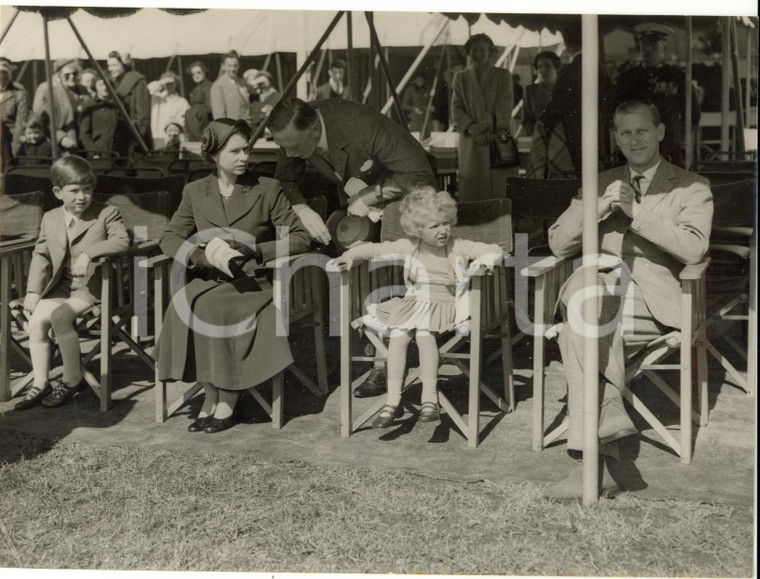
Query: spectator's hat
(250, 74)
(61, 63)
(478, 38)
(652, 31)
(262, 74)
(172, 76)
(177, 123)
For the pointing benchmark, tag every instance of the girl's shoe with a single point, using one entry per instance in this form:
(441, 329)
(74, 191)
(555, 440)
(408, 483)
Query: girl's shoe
(387, 415)
(429, 412)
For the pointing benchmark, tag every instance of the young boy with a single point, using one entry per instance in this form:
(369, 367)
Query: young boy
(62, 285)
(36, 143)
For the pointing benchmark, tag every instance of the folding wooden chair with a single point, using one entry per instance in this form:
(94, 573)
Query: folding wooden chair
(145, 216)
(487, 221)
(690, 342)
(20, 217)
(136, 172)
(299, 295)
(731, 279)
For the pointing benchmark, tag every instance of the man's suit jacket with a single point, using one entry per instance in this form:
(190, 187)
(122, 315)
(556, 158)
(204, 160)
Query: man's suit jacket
(99, 232)
(672, 229)
(257, 205)
(355, 134)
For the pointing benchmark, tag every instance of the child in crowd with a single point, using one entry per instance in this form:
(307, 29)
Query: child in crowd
(173, 131)
(436, 278)
(35, 141)
(62, 283)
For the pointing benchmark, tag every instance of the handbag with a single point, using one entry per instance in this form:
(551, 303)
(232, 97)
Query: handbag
(504, 150)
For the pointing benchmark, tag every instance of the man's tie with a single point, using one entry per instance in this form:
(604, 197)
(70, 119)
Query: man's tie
(636, 184)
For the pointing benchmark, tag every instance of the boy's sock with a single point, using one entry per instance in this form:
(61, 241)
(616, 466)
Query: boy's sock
(68, 343)
(40, 355)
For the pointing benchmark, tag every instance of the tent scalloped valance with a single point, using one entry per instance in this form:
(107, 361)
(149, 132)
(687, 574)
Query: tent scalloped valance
(59, 13)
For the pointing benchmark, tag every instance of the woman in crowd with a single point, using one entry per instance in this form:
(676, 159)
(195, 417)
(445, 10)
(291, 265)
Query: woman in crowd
(229, 95)
(220, 328)
(132, 89)
(14, 108)
(199, 113)
(165, 105)
(481, 105)
(538, 95)
(97, 127)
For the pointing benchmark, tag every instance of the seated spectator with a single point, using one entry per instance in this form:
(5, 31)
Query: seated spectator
(165, 105)
(35, 140)
(538, 95)
(173, 131)
(99, 121)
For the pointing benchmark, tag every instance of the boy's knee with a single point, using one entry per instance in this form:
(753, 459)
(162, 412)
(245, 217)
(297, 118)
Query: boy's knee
(62, 318)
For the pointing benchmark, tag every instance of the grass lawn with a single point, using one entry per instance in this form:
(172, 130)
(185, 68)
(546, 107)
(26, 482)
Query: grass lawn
(71, 505)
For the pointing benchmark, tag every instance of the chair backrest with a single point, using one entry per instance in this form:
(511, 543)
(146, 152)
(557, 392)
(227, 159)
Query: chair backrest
(20, 215)
(264, 168)
(200, 174)
(18, 182)
(160, 159)
(186, 166)
(29, 170)
(138, 172)
(727, 166)
(488, 221)
(734, 204)
(722, 177)
(172, 184)
(544, 199)
(29, 160)
(148, 208)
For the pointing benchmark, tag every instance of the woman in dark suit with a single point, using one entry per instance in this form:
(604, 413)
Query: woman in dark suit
(220, 328)
(132, 88)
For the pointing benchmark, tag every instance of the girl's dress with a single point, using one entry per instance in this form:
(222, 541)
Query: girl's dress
(436, 282)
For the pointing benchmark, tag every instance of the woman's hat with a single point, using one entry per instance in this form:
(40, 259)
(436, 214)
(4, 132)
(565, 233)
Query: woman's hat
(478, 37)
(171, 75)
(652, 30)
(218, 132)
(62, 63)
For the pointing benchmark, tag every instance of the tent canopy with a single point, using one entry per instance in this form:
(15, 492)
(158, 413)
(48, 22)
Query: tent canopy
(151, 32)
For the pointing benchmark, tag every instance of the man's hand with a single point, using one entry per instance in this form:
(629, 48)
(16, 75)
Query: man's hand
(370, 196)
(79, 269)
(68, 143)
(313, 223)
(30, 302)
(618, 195)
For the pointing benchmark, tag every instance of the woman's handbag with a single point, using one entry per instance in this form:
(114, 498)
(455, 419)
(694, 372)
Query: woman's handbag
(504, 150)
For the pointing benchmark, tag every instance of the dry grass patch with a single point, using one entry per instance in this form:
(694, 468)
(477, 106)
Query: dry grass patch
(72, 505)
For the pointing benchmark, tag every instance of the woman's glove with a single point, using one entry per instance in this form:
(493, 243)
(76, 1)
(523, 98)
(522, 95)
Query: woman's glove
(248, 252)
(199, 260)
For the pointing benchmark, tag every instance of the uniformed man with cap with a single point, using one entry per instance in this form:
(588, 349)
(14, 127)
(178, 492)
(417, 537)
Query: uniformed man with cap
(661, 84)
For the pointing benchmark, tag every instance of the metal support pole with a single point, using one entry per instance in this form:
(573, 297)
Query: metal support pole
(181, 76)
(687, 95)
(590, 329)
(49, 77)
(350, 64)
(737, 89)
(304, 67)
(10, 23)
(725, 82)
(386, 71)
(278, 67)
(433, 90)
(111, 89)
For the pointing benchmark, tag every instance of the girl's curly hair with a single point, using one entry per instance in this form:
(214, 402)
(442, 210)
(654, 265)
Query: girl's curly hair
(420, 204)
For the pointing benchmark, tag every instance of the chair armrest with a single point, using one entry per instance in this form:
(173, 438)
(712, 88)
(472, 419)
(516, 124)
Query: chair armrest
(145, 248)
(695, 271)
(154, 261)
(287, 259)
(542, 267)
(742, 251)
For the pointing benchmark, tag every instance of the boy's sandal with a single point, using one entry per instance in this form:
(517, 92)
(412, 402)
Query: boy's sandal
(387, 415)
(429, 412)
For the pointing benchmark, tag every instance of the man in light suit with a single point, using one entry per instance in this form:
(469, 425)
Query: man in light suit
(339, 138)
(655, 218)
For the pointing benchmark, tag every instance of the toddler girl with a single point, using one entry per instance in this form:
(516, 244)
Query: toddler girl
(436, 278)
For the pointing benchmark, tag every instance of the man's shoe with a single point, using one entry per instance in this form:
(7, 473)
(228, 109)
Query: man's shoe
(60, 396)
(373, 385)
(571, 488)
(33, 397)
(614, 422)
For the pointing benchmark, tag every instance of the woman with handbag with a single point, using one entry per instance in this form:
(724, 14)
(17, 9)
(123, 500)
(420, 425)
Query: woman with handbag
(481, 106)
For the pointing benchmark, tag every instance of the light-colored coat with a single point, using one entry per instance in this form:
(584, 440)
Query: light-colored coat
(672, 229)
(99, 232)
(487, 100)
(460, 253)
(229, 98)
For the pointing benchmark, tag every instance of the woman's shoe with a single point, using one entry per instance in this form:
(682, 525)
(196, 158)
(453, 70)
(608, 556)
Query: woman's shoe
(199, 425)
(219, 424)
(429, 412)
(387, 415)
(33, 397)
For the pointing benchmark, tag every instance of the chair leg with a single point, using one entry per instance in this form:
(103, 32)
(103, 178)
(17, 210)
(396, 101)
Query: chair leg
(539, 361)
(319, 334)
(346, 395)
(278, 387)
(473, 420)
(105, 337)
